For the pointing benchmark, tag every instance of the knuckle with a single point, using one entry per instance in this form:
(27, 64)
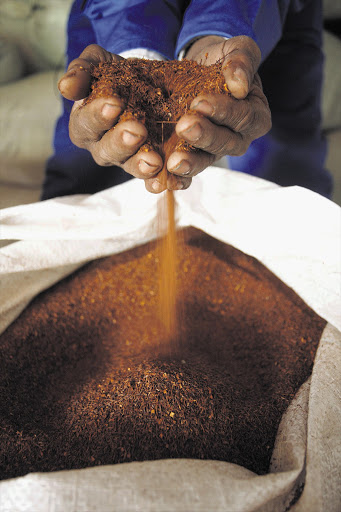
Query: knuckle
(95, 53)
(217, 147)
(262, 123)
(208, 159)
(242, 146)
(101, 156)
(85, 129)
(213, 140)
(92, 50)
(245, 50)
(81, 138)
(242, 150)
(204, 160)
(98, 159)
(244, 121)
(76, 138)
(227, 142)
(238, 145)
(251, 50)
(221, 115)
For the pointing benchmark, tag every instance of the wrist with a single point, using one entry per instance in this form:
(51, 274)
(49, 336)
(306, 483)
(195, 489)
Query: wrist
(202, 43)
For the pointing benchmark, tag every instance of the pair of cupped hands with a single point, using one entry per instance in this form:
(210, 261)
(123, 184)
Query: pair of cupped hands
(225, 124)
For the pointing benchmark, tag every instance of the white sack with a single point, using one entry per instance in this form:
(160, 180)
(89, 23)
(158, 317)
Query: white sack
(331, 106)
(38, 28)
(26, 134)
(294, 232)
(11, 63)
(331, 9)
(297, 235)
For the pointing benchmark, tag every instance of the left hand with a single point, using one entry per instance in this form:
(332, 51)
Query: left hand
(226, 124)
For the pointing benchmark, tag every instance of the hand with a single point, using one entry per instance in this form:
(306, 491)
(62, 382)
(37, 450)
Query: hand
(90, 124)
(227, 124)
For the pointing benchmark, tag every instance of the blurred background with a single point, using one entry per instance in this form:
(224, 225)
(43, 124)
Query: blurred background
(32, 46)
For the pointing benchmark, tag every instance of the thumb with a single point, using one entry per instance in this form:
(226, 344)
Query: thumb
(241, 61)
(75, 84)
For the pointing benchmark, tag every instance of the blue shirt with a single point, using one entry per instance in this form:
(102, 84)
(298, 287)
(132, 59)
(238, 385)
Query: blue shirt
(289, 35)
(166, 26)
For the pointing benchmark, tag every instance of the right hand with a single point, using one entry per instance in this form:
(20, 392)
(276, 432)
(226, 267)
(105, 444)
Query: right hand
(90, 125)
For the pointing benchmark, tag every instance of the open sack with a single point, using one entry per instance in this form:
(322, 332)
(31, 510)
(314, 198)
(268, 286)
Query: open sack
(297, 235)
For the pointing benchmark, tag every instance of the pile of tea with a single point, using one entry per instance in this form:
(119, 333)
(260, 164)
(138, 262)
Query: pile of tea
(85, 378)
(157, 93)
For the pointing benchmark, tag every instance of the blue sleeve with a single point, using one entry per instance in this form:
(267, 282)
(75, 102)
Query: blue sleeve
(262, 20)
(121, 25)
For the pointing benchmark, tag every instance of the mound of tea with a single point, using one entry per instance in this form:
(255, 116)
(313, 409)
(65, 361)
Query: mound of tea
(157, 93)
(85, 378)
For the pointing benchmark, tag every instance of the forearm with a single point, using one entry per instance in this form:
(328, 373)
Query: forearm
(125, 25)
(261, 20)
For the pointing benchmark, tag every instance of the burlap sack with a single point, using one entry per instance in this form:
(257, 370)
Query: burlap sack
(38, 29)
(297, 235)
(26, 135)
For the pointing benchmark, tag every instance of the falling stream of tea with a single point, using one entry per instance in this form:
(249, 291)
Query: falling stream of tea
(168, 249)
(167, 277)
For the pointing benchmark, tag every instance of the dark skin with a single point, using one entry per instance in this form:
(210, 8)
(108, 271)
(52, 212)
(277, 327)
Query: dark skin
(226, 124)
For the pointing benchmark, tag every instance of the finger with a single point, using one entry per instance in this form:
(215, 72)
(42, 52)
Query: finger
(156, 184)
(189, 164)
(178, 182)
(144, 164)
(242, 59)
(251, 116)
(89, 122)
(75, 84)
(217, 140)
(121, 146)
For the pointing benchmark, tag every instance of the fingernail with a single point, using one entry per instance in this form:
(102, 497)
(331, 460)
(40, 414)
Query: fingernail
(130, 138)
(204, 107)
(182, 168)
(239, 75)
(110, 111)
(193, 133)
(156, 186)
(69, 74)
(147, 168)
